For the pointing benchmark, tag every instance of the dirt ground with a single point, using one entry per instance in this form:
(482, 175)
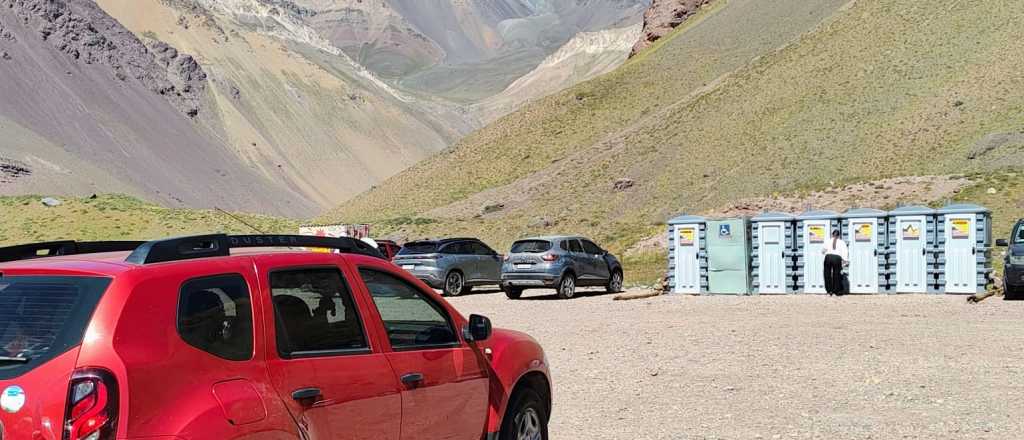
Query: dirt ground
(775, 367)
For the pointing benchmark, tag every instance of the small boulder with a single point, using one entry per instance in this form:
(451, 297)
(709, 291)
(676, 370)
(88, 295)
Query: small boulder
(623, 184)
(540, 222)
(51, 202)
(992, 191)
(490, 208)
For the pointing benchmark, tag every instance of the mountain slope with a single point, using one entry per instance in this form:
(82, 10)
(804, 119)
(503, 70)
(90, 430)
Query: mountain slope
(260, 99)
(289, 104)
(713, 114)
(87, 107)
(465, 51)
(586, 56)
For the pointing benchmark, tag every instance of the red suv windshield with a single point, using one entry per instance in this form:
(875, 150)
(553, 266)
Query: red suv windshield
(42, 317)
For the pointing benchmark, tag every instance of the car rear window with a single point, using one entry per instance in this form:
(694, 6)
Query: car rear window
(42, 317)
(418, 249)
(531, 246)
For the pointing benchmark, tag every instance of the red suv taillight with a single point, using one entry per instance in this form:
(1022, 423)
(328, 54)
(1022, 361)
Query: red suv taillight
(92, 406)
(549, 257)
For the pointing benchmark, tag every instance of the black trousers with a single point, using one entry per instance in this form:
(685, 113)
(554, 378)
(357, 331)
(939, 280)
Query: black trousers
(834, 274)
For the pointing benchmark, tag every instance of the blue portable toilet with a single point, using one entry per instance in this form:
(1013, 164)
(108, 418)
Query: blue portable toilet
(772, 264)
(866, 234)
(687, 255)
(964, 241)
(912, 241)
(813, 229)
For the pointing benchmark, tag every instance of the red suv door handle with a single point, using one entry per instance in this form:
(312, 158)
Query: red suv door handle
(307, 396)
(412, 379)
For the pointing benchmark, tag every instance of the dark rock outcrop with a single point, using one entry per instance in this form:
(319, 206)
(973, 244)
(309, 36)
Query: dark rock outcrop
(87, 34)
(662, 17)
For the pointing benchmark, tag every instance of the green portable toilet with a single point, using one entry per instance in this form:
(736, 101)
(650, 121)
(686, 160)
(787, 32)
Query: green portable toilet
(728, 247)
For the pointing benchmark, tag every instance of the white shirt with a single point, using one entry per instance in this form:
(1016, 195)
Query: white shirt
(836, 246)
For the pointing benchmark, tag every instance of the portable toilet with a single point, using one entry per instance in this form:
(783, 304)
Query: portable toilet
(912, 240)
(866, 234)
(728, 250)
(813, 228)
(964, 241)
(687, 255)
(772, 239)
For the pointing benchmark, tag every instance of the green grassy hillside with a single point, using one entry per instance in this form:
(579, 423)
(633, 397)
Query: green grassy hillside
(115, 217)
(751, 98)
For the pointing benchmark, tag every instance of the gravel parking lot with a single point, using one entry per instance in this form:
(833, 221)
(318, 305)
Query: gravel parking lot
(775, 367)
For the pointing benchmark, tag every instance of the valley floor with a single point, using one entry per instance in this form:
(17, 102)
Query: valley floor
(803, 367)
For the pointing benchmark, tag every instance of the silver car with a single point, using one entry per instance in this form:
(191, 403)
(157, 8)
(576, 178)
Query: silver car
(562, 263)
(453, 265)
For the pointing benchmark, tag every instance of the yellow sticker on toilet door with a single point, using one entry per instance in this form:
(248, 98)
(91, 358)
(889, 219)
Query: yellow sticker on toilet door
(961, 228)
(687, 236)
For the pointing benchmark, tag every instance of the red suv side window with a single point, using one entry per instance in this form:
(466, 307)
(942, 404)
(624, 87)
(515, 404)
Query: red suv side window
(315, 314)
(411, 319)
(215, 316)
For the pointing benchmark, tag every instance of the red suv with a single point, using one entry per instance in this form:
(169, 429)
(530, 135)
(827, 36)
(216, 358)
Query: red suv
(185, 339)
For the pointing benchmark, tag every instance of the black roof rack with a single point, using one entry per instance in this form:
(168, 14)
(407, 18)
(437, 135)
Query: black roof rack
(66, 247)
(183, 248)
(220, 245)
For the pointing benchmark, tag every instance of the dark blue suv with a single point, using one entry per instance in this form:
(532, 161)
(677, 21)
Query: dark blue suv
(560, 262)
(1013, 272)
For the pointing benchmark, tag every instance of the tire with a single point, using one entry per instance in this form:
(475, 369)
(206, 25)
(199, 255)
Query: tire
(615, 282)
(567, 286)
(513, 292)
(454, 283)
(526, 418)
(1012, 293)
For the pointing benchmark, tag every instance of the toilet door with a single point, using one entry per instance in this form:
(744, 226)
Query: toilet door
(772, 269)
(863, 256)
(687, 259)
(911, 259)
(816, 232)
(961, 262)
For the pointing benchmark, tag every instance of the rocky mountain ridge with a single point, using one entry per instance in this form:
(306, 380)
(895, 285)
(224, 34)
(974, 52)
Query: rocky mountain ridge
(83, 32)
(662, 17)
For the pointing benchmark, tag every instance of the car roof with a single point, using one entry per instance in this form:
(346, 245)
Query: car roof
(442, 241)
(554, 238)
(112, 264)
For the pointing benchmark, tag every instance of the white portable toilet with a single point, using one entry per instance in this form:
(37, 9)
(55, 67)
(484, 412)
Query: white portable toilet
(866, 232)
(813, 229)
(964, 240)
(772, 256)
(912, 236)
(687, 259)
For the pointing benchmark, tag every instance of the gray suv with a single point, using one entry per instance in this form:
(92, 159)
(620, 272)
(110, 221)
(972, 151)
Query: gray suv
(562, 263)
(1013, 271)
(454, 265)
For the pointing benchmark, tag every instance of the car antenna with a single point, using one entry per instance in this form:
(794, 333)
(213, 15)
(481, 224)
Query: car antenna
(237, 219)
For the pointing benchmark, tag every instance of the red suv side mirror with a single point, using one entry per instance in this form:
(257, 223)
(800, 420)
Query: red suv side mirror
(478, 330)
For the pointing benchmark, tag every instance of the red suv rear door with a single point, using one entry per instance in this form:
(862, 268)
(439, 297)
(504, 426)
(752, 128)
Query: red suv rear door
(332, 375)
(444, 381)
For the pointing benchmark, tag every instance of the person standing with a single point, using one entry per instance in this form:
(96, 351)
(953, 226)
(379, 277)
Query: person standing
(836, 256)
